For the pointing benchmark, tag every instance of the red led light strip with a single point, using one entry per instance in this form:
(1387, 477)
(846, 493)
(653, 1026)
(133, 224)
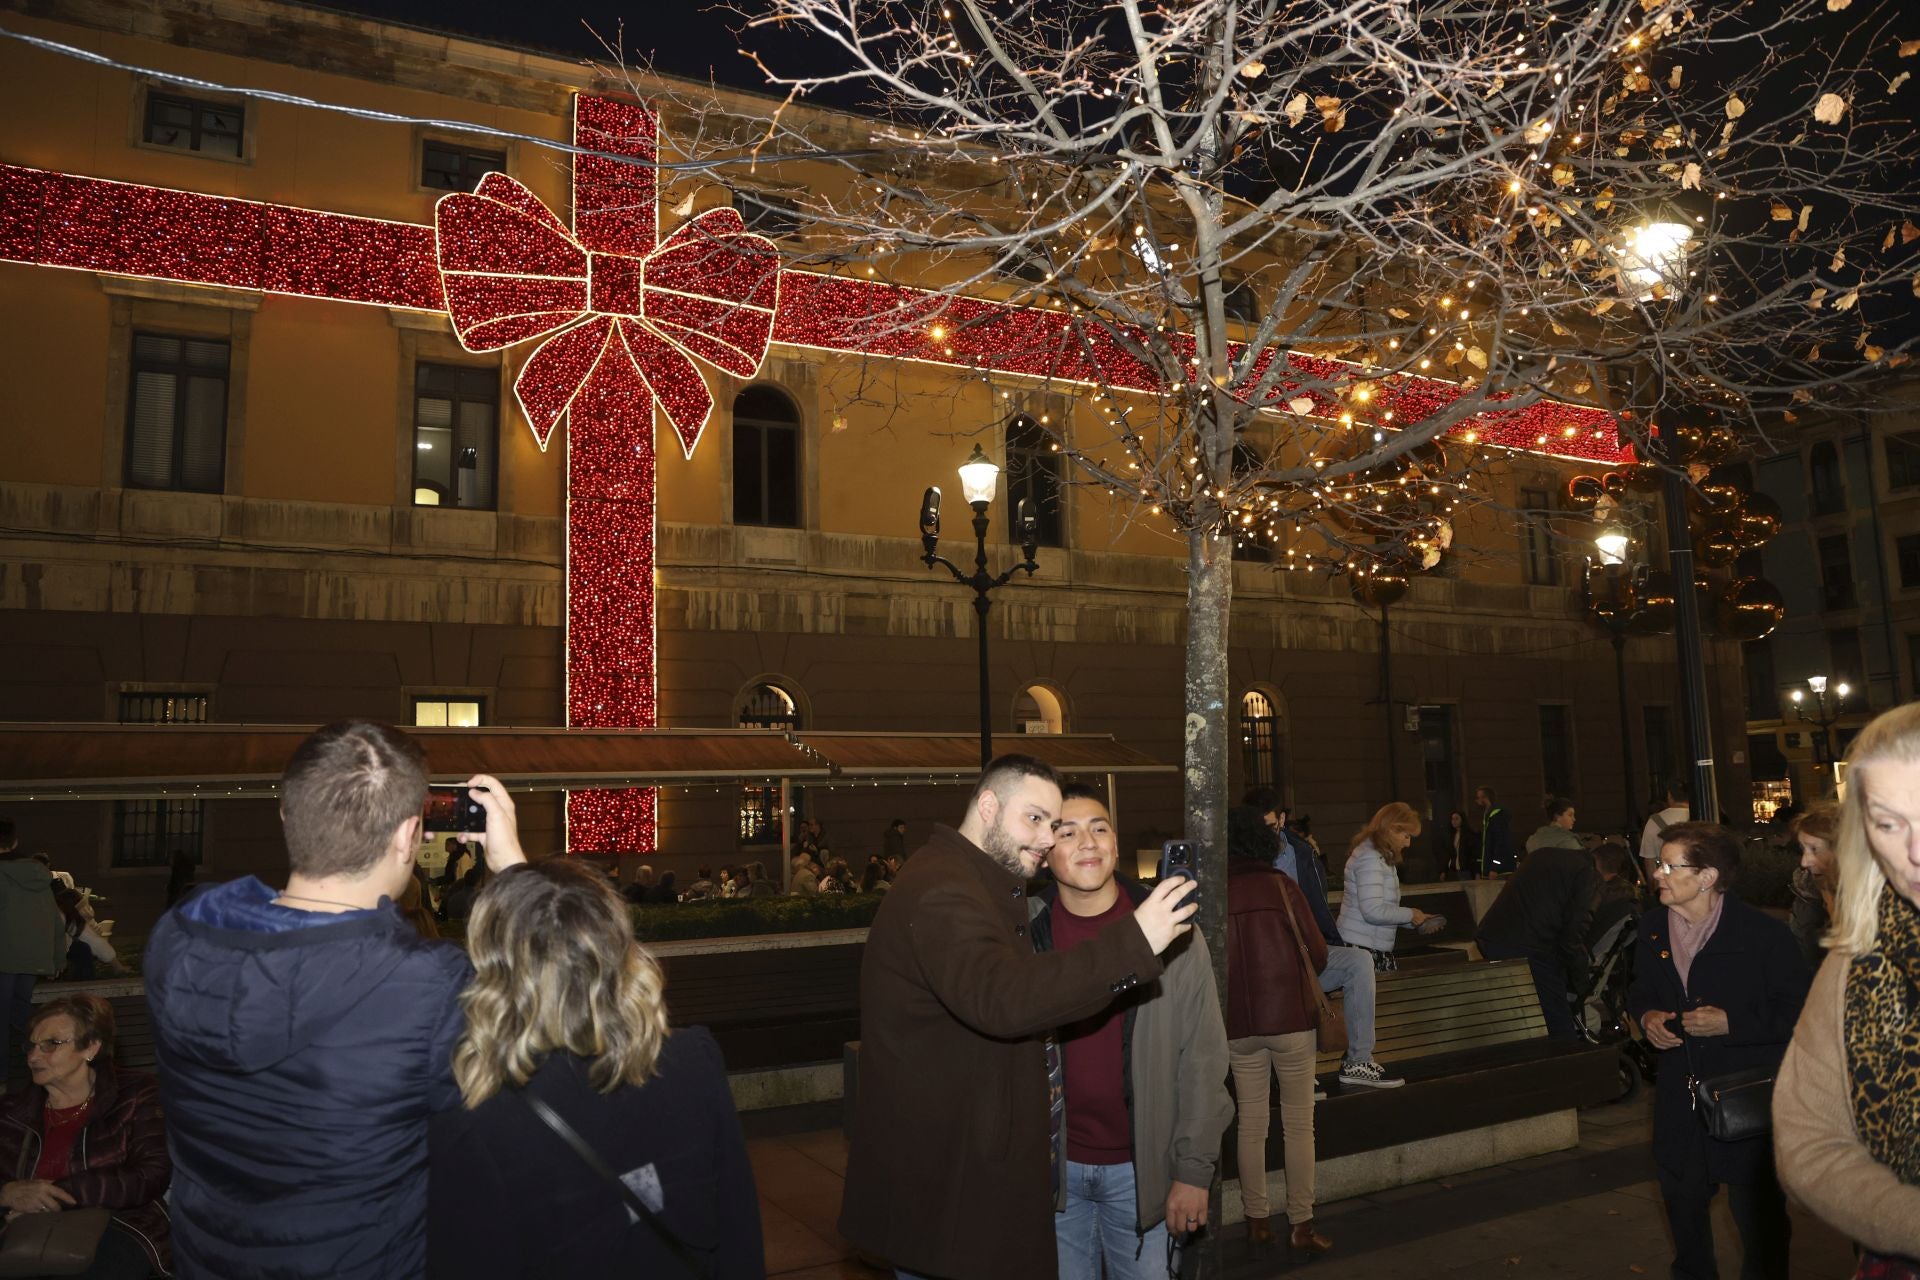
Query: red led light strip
(622, 316)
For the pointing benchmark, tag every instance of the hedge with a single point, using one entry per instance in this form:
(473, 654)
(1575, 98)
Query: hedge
(736, 917)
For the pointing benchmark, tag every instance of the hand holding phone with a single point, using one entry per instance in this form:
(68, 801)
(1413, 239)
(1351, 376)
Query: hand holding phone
(500, 836)
(451, 811)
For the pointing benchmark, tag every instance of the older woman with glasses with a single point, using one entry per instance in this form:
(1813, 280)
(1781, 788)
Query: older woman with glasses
(1717, 987)
(87, 1136)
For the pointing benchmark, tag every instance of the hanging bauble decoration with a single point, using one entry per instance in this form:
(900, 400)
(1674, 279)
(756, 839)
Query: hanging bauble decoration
(1614, 484)
(1584, 491)
(1759, 520)
(1750, 609)
(1643, 477)
(1681, 445)
(1719, 545)
(1720, 445)
(1654, 599)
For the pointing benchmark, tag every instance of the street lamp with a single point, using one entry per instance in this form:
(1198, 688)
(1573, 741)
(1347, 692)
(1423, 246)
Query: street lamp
(1618, 610)
(979, 477)
(1824, 716)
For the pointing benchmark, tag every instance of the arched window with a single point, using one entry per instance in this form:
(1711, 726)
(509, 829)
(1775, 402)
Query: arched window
(1034, 473)
(766, 458)
(1260, 740)
(1040, 710)
(764, 706)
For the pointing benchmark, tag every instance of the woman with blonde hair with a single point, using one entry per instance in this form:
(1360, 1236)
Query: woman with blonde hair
(1370, 910)
(1846, 1130)
(592, 1141)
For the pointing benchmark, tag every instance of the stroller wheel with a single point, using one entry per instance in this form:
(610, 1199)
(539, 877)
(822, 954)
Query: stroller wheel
(1630, 1078)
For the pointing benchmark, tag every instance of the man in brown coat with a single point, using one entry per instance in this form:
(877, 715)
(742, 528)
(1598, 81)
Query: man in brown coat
(948, 1171)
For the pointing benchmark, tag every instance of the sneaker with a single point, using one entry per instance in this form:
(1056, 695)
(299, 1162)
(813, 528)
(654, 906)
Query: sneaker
(1369, 1075)
(1319, 1095)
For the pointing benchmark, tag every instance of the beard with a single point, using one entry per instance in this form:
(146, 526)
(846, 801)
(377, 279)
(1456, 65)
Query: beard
(999, 844)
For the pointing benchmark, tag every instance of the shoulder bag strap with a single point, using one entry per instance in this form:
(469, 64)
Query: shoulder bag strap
(592, 1160)
(1306, 957)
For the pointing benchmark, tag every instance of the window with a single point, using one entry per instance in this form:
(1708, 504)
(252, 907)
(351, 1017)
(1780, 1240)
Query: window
(1536, 539)
(195, 124)
(456, 409)
(1556, 748)
(1251, 542)
(766, 706)
(1242, 303)
(1906, 550)
(1657, 729)
(1836, 572)
(1844, 663)
(1823, 476)
(147, 833)
(448, 166)
(1903, 460)
(771, 217)
(1763, 694)
(1259, 740)
(766, 459)
(1033, 475)
(1039, 710)
(177, 414)
(435, 712)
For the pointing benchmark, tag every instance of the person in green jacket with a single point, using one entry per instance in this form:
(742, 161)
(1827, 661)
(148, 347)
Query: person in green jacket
(1557, 831)
(33, 939)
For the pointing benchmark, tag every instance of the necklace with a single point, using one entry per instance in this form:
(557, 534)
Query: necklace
(81, 1105)
(301, 897)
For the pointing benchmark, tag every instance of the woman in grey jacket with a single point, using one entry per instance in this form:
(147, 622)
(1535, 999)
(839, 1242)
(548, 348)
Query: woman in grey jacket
(1370, 909)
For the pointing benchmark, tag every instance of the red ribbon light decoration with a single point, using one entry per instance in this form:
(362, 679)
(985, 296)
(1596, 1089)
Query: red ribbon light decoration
(623, 317)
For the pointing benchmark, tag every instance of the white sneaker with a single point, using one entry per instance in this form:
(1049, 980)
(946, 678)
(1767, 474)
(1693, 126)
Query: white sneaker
(1369, 1075)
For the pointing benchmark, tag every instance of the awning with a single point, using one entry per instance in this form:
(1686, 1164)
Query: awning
(211, 762)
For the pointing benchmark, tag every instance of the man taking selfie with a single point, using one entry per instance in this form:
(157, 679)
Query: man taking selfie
(1144, 1080)
(948, 1164)
(304, 1034)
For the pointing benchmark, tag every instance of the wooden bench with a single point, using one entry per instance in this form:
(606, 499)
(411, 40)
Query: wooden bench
(770, 1008)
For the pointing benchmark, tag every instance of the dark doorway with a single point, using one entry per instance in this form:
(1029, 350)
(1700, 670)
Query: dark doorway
(1441, 767)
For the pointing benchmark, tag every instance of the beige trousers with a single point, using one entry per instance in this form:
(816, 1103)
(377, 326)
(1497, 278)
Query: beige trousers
(1290, 1057)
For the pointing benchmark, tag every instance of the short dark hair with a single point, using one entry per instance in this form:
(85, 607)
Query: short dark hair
(1004, 773)
(1484, 787)
(92, 1022)
(346, 790)
(1265, 799)
(1082, 791)
(1610, 857)
(1707, 845)
(898, 822)
(1557, 805)
(1249, 837)
(706, 873)
(1677, 789)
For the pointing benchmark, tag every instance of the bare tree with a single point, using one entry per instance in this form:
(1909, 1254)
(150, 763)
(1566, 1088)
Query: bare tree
(1351, 246)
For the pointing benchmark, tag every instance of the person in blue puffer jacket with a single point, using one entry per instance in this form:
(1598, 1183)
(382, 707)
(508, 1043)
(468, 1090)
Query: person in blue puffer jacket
(1370, 910)
(304, 1035)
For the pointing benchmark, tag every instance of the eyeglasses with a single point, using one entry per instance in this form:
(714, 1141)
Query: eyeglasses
(1668, 868)
(46, 1046)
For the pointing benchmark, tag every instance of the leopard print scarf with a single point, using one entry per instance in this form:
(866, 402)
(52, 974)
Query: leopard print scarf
(1882, 1027)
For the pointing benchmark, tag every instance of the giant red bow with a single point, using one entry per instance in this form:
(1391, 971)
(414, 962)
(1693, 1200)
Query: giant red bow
(512, 272)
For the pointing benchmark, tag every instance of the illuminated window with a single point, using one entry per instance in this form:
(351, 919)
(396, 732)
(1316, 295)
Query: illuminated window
(1259, 740)
(448, 166)
(765, 706)
(195, 124)
(1039, 710)
(1541, 567)
(766, 459)
(456, 412)
(177, 414)
(147, 833)
(434, 712)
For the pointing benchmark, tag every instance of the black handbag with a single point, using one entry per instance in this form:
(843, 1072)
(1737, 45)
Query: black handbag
(1734, 1106)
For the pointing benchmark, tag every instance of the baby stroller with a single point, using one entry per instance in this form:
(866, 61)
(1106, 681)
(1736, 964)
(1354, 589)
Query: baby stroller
(1600, 1005)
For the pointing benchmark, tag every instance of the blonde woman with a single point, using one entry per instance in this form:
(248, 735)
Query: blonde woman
(1846, 1130)
(1370, 910)
(565, 1019)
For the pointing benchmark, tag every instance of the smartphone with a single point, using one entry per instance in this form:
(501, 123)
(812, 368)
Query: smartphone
(452, 810)
(1180, 858)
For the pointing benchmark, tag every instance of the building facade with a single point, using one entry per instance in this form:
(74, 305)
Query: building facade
(228, 506)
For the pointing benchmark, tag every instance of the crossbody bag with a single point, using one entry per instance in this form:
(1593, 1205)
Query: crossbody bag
(1331, 1030)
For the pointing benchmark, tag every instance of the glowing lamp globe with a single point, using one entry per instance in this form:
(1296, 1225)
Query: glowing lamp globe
(979, 477)
(1612, 544)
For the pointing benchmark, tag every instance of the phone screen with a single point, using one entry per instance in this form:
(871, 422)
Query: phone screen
(450, 809)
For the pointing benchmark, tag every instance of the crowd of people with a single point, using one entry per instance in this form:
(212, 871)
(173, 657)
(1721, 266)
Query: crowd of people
(339, 1094)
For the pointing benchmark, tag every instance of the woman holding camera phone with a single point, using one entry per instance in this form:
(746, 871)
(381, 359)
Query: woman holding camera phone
(591, 1141)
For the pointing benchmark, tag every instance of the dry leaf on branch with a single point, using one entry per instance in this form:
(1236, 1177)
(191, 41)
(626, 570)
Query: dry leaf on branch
(1817, 299)
(1539, 131)
(1806, 211)
(1782, 211)
(1690, 178)
(1735, 107)
(1835, 6)
(1398, 313)
(1829, 108)
(1872, 352)
(1909, 47)
(1909, 233)
(1603, 306)
(1846, 300)
(1333, 116)
(1893, 85)
(1301, 405)
(1296, 108)
(1888, 242)
(1673, 77)
(1839, 261)
(1802, 396)
(1477, 357)
(1916, 284)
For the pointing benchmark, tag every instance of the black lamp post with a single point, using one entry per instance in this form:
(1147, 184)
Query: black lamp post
(1616, 610)
(978, 479)
(1824, 716)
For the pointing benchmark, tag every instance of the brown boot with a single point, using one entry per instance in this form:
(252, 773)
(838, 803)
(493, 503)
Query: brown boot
(1258, 1232)
(1306, 1240)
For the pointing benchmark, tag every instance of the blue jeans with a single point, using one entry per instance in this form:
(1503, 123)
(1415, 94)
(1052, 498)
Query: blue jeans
(1350, 970)
(1102, 1217)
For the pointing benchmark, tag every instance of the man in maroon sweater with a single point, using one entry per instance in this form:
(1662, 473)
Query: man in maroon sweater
(1143, 1081)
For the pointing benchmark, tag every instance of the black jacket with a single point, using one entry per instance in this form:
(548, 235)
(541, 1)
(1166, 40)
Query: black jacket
(1313, 883)
(300, 1056)
(1545, 910)
(509, 1197)
(1751, 968)
(1497, 852)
